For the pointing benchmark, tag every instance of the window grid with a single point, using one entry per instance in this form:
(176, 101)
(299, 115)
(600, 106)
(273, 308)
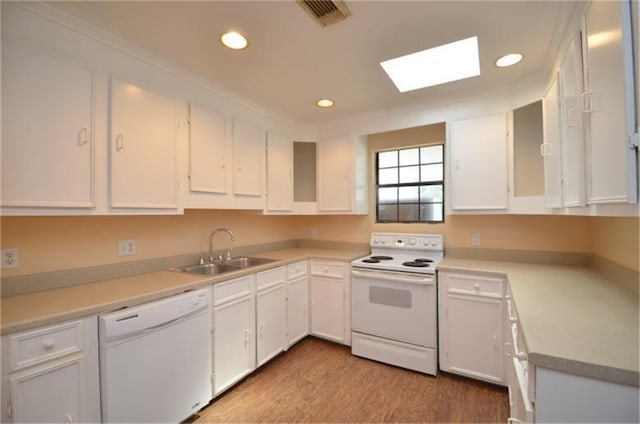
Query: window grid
(425, 202)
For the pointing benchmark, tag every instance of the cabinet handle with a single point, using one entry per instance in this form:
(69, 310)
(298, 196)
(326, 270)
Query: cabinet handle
(83, 136)
(476, 286)
(119, 142)
(48, 344)
(545, 149)
(261, 329)
(587, 102)
(68, 418)
(238, 166)
(572, 120)
(246, 337)
(222, 162)
(514, 421)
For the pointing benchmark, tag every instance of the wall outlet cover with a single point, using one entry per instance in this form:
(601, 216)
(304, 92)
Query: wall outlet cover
(126, 247)
(10, 258)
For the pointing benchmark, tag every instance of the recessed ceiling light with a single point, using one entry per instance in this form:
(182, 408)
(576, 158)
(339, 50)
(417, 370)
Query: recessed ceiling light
(445, 63)
(234, 40)
(324, 103)
(509, 60)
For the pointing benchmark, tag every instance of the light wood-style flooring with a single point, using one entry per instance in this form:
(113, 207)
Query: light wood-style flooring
(320, 381)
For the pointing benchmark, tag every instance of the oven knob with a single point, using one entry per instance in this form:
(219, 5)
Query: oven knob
(412, 242)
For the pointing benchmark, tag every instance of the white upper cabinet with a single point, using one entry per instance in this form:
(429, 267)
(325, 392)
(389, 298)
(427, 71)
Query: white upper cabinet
(552, 147)
(571, 126)
(143, 148)
(207, 151)
(47, 130)
(479, 163)
(279, 173)
(342, 175)
(610, 103)
(248, 159)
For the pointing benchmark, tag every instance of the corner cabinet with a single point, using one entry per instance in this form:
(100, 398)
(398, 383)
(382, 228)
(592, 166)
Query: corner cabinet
(479, 167)
(471, 325)
(142, 149)
(50, 374)
(47, 130)
(342, 175)
(329, 283)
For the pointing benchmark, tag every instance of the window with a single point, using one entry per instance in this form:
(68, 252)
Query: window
(410, 184)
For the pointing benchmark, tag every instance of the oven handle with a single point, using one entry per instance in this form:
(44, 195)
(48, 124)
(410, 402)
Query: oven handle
(409, 278)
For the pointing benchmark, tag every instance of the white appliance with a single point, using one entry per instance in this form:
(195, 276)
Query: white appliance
(394, 301)
(155, 363)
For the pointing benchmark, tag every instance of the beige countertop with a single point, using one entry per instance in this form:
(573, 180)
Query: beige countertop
(573, 319)
(26, 311)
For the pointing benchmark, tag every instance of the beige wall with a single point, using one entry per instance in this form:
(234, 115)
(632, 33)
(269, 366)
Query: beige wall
(617, 239)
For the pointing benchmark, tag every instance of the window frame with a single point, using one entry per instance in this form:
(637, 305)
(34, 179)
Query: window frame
(410, 184)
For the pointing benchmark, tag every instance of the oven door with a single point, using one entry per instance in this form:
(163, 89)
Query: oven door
(395, 305)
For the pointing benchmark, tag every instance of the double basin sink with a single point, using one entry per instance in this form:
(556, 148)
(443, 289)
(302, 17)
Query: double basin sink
(220, 267)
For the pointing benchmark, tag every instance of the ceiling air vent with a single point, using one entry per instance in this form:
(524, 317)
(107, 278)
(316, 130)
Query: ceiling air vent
(325, 12)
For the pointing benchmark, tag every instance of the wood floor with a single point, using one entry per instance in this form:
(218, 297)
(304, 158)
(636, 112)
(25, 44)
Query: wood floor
(319, 381)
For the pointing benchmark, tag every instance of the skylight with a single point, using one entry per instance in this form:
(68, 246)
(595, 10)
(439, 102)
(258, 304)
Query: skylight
(438, 65)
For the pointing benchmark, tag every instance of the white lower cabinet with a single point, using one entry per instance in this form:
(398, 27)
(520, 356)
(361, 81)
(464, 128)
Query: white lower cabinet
(234, 353)
(328, 285)
(297, 302)
(271, 324)
(50, 374)
(471, 325)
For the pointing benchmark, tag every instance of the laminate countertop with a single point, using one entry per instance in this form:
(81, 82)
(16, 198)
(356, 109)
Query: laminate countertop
(573, 319)
(27, 311)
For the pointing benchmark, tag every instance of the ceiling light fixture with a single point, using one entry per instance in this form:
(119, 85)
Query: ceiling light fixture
(325, 103)
(234, 40)
(446, 63)
(508, 60)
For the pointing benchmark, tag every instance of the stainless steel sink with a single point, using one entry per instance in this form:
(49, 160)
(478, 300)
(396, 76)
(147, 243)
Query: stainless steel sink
(233, 264)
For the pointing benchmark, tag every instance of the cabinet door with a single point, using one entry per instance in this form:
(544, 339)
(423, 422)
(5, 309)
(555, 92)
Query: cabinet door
(552, 147)
(327, 308)
(47, 133)
(479, 160)
(271, 322)
(471, 337)
(297, 310)
(51, 393)
(334, 175)
(143, 148)
(233, 342)
(207, 158)
(279, 173)
(248, 159)
(610, 103)
(572, 128)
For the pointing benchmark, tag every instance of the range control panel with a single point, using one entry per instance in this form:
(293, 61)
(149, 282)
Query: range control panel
(407, 241)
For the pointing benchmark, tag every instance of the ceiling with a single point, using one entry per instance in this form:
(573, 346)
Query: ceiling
(292, 61)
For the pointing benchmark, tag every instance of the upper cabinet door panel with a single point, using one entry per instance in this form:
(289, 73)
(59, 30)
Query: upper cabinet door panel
(207, 160)
(47, 132)
(335, 175)
(248, 159)
(479, 168)
(552, 147)
(143, 148)
(609, 102)
(279, 172)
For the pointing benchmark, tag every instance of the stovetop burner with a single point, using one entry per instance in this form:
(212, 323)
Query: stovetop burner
(370, 261)
(416, 264)
(423, 260)
(381, 258)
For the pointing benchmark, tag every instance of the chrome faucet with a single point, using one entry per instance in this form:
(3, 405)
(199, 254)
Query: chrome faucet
(216, 231)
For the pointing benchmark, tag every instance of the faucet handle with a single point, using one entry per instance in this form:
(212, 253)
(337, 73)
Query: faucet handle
(228, 255)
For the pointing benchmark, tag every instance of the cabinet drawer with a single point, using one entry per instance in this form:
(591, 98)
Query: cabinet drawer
(44, 344)
(473, 284)
(271, 277)
(232, 289)
(296, 270)
(328, 269)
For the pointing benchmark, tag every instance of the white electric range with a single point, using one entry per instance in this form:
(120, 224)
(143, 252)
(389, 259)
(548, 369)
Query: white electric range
(394, 301)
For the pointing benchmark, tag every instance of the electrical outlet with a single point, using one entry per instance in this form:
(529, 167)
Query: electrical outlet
(126, 247)
(475, 239)
(9, 258)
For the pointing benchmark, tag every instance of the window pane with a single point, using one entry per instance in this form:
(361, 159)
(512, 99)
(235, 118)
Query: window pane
(387, 212)
(388, 176)
(431, 172)
(387, 159)
(409, 157)
(431, 154)
(408, 194)
(388, 195)
(410, 174)
(432, 193)
(408, 212)
(431, 212)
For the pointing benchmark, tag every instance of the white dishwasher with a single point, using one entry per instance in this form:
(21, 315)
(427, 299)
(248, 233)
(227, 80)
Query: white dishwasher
(155, 359)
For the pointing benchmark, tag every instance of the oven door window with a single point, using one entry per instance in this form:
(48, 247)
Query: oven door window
(390, 296)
